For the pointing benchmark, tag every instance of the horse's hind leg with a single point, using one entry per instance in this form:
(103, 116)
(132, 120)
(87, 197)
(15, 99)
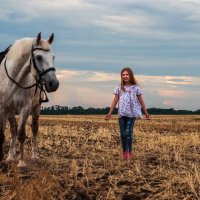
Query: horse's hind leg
(22, 135)
(13, 130)
(2, 136)
(35, 124)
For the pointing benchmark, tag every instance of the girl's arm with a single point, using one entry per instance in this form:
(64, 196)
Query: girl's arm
(143, 106)
(114, 103)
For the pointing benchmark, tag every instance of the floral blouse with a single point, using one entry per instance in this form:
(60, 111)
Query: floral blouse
(129, 104)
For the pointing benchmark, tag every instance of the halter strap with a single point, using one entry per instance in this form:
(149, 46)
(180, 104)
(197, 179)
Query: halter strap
(43, 72)
(22, 87)
(38, 48)
(39, 82)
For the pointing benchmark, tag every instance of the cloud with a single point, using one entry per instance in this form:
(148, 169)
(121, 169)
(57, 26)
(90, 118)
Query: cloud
(142, 18)
(132, 24)
(159, 39)
(94, 89)
(26, 11)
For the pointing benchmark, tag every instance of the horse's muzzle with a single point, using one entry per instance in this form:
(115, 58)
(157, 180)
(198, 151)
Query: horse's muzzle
(51, 85)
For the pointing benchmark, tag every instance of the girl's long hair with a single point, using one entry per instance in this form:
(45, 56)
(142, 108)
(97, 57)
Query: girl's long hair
(131, 75)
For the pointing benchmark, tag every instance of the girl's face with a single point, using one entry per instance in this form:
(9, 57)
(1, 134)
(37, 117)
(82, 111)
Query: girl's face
(125, 77)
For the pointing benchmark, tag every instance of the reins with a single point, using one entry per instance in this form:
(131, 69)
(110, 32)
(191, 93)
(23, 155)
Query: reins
(39, 82)
(22, 87)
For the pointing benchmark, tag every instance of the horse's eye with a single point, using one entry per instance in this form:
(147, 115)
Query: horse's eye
(39, 57)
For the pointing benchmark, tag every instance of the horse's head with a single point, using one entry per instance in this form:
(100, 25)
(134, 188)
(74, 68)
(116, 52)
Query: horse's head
(43, 63)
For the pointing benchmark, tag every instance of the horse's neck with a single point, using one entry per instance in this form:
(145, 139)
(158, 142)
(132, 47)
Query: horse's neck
(19, 70)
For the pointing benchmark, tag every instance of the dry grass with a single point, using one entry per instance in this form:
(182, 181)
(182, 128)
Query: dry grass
(81, 159)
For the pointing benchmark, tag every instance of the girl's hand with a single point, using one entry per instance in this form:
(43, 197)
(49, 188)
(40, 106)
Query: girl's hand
(107, 117)
(147, 116)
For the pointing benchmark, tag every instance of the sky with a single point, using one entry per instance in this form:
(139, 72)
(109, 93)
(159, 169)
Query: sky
(95, 39)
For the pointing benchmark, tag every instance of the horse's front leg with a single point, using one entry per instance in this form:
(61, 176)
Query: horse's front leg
(22, 134)
(35, 124)
(13, 130)
(2, 136)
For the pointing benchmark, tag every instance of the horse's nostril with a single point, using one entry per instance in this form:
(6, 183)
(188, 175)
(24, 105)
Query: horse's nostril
(50, 84)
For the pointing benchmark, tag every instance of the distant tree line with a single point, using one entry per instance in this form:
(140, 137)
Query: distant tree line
(79, 110)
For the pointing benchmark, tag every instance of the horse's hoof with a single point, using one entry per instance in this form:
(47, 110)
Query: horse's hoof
(21, 164)
(10, 159)
(35, 158)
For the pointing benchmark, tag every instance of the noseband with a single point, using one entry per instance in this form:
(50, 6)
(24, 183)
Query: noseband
(39, 81)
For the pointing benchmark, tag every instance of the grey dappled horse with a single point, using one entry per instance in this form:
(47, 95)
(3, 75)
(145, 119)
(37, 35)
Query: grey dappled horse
(25, 71)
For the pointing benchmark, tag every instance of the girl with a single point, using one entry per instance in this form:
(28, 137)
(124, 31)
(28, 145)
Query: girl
(129, 96)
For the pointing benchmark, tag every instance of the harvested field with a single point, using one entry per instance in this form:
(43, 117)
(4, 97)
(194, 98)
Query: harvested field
(81, 159)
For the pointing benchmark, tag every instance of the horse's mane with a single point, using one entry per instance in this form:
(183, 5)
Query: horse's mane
(3, 53)
(20, 48)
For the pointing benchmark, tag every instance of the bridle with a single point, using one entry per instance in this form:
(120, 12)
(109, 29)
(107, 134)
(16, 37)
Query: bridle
(39, 81)
(43, 72)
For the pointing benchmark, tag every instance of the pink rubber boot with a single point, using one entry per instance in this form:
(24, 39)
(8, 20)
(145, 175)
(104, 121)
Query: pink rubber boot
(129, 155)
(125, 155)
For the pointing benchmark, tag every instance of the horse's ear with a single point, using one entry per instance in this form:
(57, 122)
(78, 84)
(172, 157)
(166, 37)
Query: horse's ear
(50, 40)
(38, 38)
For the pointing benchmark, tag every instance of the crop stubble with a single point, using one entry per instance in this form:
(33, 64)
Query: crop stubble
(81, 159)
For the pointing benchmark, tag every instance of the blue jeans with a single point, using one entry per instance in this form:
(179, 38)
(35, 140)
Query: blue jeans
(126, 125)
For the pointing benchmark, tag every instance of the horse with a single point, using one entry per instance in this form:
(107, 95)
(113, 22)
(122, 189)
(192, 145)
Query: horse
(26, 73)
